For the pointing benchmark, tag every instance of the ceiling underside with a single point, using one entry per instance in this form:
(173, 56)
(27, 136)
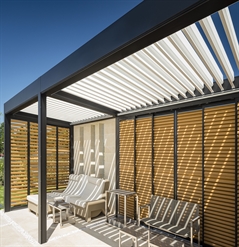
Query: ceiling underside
(187, 64)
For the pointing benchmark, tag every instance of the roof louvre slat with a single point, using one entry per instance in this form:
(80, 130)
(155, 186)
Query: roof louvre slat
(180, 42)
(198, 43)
(215, 41)
(230, 32)
(179, 62)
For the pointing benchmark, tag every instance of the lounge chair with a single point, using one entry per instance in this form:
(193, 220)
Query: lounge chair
(74, 185)
(91, 201)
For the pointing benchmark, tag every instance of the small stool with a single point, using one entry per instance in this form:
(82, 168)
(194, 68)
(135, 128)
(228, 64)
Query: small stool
(134, 232)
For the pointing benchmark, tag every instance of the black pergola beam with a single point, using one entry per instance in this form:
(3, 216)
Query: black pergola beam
(42, 213)
(147, 23)
(73, 99)
(34, 118)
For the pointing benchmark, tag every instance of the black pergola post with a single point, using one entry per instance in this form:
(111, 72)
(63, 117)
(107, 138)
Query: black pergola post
(42, 213)
(7, 163)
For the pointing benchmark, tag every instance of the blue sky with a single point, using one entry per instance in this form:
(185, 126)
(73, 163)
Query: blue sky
(35, 35)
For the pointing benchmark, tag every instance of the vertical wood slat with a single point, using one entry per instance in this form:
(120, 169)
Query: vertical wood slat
(144, 161)
(126, 168)
(18, 162)
(51, 158)
(189, 157)
(164, 156)
(63, 157)
(33, 158)
(219, 168)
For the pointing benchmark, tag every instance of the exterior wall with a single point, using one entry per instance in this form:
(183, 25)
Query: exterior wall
(192, 156)
(94, 151)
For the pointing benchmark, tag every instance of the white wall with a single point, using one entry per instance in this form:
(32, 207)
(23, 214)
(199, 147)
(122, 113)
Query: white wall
(94, 150)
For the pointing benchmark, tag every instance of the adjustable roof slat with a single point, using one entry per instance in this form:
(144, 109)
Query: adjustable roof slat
(183, 46)
(116, 77)
(167, 48)
(157, 57)
(148, 77)
(193, 35)
(68, 111)
(105, 78)
(143, 82)
(230, 32)
(99, 84)
(87, 95)
(88, 88)
(123, 72)
(215, 41)
(158, 76)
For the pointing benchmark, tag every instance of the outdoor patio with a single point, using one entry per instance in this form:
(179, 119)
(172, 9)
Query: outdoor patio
(19, 228)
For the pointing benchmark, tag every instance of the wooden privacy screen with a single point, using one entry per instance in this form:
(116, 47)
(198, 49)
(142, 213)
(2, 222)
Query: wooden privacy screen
(144, 161)
(219, 172)
(189, 157)
(23, 166)
(126, 168)
(18, 162)
(205, 164)
(164, 156)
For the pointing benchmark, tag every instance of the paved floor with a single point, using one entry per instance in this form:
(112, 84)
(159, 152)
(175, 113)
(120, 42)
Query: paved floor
(20, 228)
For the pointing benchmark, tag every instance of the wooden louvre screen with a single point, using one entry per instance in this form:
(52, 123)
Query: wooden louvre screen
(19, 150)
(33, 158)
(51, 158)
(144, 161)
(219, 172)
(189, 157)
(126, 167)
(24, 159)
(164, 156)
(63, 157)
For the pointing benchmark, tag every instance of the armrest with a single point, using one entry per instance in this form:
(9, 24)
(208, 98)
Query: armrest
(141, 207)
(192, 230)
(57, 191)
(193, 220)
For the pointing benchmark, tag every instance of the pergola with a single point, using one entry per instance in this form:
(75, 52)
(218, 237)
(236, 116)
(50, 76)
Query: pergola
(161, 55)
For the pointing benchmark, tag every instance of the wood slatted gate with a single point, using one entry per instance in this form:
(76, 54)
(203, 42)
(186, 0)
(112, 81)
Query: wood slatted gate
(144, 161)
(164, 156)
(18, 162)
(189, 157)
(219, 172)
(126, 168)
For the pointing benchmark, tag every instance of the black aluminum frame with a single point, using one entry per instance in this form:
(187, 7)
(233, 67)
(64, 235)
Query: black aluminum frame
(42, 200)
(139, 32)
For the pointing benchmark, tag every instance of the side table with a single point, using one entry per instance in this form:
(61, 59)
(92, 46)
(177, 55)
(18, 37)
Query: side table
(60, 206)
(125, 194)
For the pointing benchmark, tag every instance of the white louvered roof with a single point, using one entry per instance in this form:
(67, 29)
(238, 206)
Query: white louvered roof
(177, 67)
